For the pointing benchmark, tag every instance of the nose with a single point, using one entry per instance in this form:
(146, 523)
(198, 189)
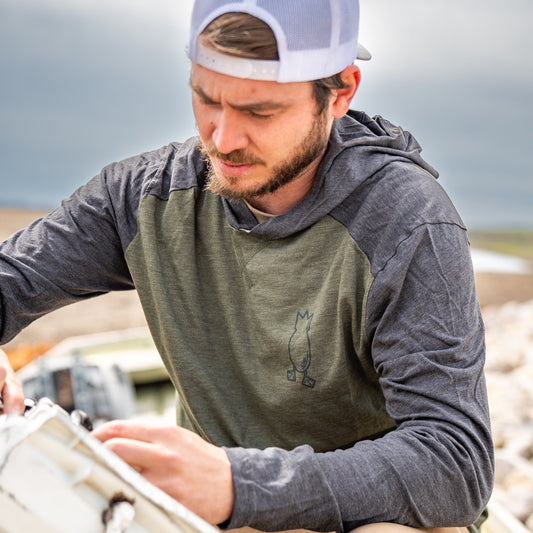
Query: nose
(228, 132)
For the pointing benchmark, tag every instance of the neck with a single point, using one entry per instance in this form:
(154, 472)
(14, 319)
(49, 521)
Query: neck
(286, 197)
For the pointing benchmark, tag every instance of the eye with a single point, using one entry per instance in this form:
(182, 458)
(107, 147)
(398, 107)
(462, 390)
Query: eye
(260, 116)
(207, 102)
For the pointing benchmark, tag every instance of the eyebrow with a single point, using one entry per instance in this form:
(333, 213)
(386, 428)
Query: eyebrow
(267, 105)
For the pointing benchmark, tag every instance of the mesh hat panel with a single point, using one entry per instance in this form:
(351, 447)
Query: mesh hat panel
(315, 38)
(301, 34)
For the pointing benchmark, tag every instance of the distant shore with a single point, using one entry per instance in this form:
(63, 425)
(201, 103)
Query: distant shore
(122, 310)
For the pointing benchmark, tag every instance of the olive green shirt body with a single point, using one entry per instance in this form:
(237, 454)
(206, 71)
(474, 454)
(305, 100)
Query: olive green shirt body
(264, 339)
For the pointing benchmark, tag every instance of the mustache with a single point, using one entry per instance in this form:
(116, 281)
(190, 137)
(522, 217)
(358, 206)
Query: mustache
(237, 157)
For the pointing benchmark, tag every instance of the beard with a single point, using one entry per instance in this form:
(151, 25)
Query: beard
(313, 146)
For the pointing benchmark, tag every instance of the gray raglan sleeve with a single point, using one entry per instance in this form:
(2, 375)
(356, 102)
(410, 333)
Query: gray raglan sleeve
(436, 467)
(75, 252)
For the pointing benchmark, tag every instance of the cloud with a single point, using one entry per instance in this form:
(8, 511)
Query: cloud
(459, 75)
(85, 82)
(159, 12)
(444, 37)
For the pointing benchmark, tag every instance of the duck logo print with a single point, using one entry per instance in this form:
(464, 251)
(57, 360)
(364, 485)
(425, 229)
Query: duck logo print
(300, 350)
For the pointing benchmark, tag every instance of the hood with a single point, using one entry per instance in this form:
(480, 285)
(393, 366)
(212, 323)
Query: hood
(359, 147)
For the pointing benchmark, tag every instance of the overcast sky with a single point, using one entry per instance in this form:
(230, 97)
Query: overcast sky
(87, 82)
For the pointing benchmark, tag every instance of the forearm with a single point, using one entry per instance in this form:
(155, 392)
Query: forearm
(410, 476)
(73, 253)
(277, 490)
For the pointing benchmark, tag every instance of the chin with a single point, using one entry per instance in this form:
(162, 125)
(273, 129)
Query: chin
(234, 188)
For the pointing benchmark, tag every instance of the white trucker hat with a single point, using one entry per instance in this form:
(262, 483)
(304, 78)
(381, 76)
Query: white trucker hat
(316, 38)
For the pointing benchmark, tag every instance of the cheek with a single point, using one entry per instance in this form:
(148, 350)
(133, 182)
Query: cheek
(204, 121)
(279, 141)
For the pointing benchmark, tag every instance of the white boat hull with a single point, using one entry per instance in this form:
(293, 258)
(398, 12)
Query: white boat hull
(56, 478)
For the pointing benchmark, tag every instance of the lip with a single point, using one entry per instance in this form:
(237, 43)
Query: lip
(232, 169)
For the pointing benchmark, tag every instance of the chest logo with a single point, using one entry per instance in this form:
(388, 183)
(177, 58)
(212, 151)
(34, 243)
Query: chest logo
(300, 350)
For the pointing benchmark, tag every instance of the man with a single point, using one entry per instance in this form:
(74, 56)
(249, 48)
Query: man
(307, 282)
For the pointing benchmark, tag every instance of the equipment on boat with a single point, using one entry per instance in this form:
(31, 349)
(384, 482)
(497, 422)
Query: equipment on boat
(117, 374)
(103, 392)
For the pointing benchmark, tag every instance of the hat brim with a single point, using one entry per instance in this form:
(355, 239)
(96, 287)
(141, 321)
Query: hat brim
(362, 53)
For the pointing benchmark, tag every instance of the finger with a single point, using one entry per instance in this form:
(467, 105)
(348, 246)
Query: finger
(157, 464)
(125, 429)
(13, 398)
(140, 455)
(10, 388)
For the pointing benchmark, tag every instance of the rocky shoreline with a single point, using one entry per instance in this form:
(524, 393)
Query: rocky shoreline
(509, 374)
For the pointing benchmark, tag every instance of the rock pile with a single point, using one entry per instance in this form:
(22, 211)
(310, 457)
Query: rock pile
(509, 373)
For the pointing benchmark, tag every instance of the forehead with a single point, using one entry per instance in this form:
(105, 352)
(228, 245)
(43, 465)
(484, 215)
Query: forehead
(219, 87)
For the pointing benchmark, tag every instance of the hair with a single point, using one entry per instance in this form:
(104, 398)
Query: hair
(243, 35)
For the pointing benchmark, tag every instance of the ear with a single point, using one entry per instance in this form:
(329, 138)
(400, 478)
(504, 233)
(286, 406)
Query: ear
(351, 76)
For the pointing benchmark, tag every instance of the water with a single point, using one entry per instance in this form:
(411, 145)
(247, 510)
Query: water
(485, 261)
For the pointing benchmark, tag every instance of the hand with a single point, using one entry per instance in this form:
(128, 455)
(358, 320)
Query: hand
(10, 387)
(179, 462)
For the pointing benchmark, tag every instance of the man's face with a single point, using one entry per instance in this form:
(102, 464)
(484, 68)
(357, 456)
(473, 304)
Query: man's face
(257, 135)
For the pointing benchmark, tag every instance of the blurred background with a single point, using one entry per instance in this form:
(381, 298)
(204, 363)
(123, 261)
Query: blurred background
(87, 82)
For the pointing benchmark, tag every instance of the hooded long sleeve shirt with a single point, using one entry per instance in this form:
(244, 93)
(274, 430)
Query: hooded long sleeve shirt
(336, 351)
